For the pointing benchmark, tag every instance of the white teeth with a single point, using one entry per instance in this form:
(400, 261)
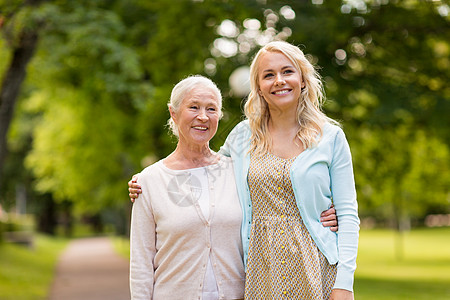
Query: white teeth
(200, 128)
(281, 92)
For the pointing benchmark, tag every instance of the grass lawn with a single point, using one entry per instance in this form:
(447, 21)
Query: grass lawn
(27, 273)
(422, 271)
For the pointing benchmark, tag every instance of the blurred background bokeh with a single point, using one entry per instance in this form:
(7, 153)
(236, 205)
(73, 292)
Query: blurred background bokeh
(83, 107)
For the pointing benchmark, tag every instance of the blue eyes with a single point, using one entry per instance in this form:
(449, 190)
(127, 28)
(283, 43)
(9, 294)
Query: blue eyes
(196, 107)
(284, 72)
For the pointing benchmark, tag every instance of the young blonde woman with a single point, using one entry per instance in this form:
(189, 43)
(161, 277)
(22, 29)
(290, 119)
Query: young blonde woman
(291, 162)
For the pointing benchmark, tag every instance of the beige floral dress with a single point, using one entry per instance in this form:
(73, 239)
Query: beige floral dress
(283, 261)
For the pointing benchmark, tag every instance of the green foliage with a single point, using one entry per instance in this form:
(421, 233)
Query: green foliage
(86, 97)
(395, 169)
(4, 57)
(27, 273)
(93, 108)
(84, 162)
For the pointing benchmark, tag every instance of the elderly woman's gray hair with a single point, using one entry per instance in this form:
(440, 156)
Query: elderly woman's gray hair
(183, 88)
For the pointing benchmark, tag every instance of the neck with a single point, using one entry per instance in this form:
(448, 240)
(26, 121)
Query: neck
(190, 156)
(283, 121)
(283, 131)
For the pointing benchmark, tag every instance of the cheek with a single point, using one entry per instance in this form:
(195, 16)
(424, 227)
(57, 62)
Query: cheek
(264, 87)
(214, 121)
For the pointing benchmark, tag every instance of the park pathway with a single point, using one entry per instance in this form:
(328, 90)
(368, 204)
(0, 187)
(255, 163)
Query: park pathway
(89, 269)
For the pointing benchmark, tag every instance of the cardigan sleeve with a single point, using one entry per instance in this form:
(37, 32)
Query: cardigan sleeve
(344, 199)
(143, 246)
(237, 142)
(229, 144)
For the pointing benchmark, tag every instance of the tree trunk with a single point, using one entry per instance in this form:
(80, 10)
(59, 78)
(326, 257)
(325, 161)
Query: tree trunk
(22, 53)
(46, 218)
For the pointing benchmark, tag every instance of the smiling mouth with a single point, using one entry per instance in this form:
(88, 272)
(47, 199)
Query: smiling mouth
(200, 128)
(282, 92)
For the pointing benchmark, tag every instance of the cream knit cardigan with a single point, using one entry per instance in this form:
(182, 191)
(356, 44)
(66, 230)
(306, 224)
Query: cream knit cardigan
(171, 241)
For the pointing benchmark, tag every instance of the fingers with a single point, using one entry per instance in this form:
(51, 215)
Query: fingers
(329, 219)
(132, 181)
(333, 225)
(134, 192)
(330, 223)
(133, 186)
(134, 189)
(330, 211)
(132, 197)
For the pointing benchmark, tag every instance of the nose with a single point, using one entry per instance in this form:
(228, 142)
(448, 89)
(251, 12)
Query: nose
(279, 80)
(202, 115)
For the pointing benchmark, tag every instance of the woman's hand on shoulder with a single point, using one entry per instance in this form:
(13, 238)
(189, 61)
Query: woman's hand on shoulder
(134, 189)
(340, 294)
(329, 219)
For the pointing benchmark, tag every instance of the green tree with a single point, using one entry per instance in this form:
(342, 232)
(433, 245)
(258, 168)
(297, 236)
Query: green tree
(93, 107)
(20, 30)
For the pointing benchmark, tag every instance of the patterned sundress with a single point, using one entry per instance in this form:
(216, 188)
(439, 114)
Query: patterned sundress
(283, 261)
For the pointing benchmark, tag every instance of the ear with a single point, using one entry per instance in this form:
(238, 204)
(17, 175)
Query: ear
(303, 84)
(172, 114)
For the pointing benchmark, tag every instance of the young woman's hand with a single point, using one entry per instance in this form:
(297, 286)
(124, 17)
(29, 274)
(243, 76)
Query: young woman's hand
(134, 189)
(329, 219)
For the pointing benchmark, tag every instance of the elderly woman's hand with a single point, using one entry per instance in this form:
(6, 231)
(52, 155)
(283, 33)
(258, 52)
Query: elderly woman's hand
(339, 294)
(329, 219)
(134, 189)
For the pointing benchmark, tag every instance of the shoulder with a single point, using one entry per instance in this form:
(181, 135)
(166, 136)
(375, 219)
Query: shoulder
(240, 131)
(225, 161)
(332, 131)
(332, 136)
(237, 139)
(151, 171)
(242, 126)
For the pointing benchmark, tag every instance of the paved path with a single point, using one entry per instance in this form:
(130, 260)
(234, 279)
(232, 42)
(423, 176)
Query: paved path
(89, 269)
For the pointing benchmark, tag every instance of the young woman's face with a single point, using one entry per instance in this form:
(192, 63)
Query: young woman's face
(198, 116)
(280, 83)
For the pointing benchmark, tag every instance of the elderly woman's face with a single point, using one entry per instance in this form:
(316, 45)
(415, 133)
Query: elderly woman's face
(198, 116)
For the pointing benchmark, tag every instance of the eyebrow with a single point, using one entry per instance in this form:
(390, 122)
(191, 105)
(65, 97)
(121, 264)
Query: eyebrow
(198, 102)
(283, 68)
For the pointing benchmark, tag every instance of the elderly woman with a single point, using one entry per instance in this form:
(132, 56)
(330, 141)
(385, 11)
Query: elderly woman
(185, 230)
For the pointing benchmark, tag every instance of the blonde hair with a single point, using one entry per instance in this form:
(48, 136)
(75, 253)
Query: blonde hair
(309, 113)
(183, 88)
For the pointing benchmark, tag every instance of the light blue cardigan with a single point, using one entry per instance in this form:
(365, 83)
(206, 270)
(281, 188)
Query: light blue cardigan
(319, 175)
